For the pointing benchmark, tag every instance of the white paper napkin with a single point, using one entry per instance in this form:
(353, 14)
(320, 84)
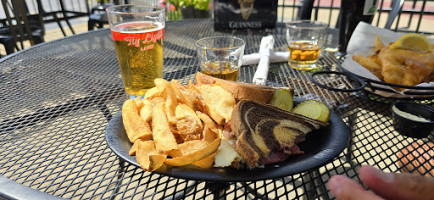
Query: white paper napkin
(265, 49)
(275, 57)
(362, 42)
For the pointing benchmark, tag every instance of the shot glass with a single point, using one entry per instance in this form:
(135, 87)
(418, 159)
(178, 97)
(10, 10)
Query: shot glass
(221, 56)
(305, 39)
(138, 34)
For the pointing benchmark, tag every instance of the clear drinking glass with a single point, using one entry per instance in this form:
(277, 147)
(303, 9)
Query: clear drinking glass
(138, 34)
(221, 56)
(305, 39)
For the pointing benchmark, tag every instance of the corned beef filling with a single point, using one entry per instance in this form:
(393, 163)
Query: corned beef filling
(283, 154)
(227, 131)
(274, 156)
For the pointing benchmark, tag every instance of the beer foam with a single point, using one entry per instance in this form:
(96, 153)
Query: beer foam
(142, 25)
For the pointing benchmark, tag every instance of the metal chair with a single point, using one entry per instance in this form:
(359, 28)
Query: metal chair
(20, 26)
(98, 15)
(55, 15)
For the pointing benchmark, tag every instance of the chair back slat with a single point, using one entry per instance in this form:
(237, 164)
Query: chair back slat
(20, 26)
(9, 11)
(22, 21)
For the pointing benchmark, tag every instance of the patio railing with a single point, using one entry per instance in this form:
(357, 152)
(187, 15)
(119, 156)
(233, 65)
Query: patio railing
(413, 15)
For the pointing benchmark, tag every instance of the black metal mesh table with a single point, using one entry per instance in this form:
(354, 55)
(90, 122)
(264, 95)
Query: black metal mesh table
(57, 98)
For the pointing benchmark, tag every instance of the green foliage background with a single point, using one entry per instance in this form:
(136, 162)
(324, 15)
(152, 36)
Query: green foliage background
(197, 4)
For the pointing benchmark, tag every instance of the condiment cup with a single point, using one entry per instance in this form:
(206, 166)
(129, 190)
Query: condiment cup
(413, 119)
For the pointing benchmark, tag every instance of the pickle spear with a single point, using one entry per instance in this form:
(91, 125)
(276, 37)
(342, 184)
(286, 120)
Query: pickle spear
(313, 109)
(282, 98)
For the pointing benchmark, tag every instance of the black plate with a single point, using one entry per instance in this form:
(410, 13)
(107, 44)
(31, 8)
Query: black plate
(320, 148)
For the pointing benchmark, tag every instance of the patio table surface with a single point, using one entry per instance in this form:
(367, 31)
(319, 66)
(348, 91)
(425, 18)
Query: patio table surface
(57, 98)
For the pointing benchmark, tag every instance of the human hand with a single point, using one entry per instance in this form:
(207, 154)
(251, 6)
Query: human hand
(385, 186)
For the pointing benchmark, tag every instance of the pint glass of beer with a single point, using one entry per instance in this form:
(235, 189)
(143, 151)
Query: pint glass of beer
(138, 33)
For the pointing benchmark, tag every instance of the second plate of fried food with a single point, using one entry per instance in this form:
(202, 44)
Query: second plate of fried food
(394, 65)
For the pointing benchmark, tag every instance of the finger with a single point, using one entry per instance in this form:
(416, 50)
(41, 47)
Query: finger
(397, 185)
(344, 188)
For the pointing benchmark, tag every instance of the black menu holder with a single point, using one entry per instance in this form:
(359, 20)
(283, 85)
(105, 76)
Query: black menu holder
(244, 14)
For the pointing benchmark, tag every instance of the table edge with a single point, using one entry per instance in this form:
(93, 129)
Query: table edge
(11, 190)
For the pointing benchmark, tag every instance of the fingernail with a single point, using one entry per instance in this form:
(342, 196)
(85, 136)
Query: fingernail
(386, 177)
(335, 185)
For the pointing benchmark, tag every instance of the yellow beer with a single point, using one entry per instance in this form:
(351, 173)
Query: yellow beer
(139, 48)
(221, 69)
(304, 51)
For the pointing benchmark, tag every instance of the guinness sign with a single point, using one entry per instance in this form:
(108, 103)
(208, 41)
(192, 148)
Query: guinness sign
(244, 14)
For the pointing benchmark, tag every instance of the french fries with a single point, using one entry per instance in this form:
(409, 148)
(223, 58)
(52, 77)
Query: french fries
(184, 98)
(146, 111)
(148, 157)
(153, 93)
(196, 155)
(176, 125)
(219, 102)
(163, 137)
(211, 133)
(135, 127)
(134, 148)
(170, 97)
(189, 125)
(206, 119)
(206, 162)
